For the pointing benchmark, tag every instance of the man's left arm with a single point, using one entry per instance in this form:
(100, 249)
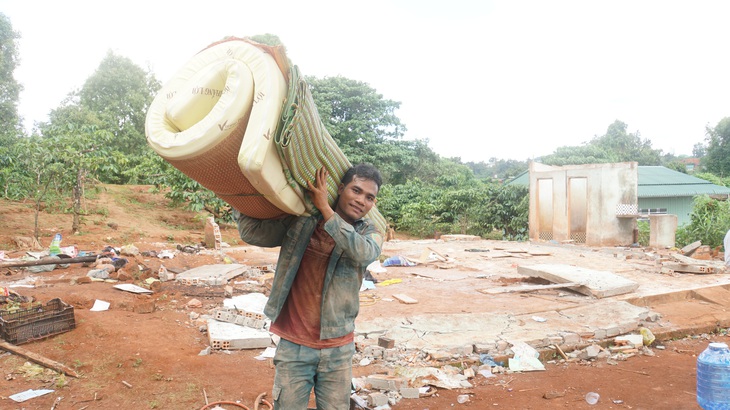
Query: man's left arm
(362, 247)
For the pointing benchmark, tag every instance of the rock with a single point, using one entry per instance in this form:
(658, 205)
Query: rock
(592, 351)
(129, 250)
(194, 303)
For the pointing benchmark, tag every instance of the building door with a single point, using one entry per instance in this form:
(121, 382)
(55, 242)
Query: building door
(577, 209)
(545, 209)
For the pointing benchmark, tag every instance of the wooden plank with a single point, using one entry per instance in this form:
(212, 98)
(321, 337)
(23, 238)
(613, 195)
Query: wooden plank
(54, 261)
(43, 361)
(527, 288)
(403, 298)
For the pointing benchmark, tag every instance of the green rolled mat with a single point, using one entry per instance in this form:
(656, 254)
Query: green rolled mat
(305, 146)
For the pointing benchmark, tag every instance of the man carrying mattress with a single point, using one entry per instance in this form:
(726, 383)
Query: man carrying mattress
(314, 298)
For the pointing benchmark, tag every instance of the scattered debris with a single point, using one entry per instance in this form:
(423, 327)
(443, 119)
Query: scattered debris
(398, 261)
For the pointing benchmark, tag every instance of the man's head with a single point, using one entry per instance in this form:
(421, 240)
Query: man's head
(357, 192)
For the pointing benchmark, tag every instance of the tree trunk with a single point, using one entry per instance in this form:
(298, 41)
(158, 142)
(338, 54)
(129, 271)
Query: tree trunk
(77, 190)
(38, 201)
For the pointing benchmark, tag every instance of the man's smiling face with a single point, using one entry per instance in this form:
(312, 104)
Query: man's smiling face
(356, 198)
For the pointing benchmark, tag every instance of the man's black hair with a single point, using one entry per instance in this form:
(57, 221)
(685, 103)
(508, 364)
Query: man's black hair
(364, 171)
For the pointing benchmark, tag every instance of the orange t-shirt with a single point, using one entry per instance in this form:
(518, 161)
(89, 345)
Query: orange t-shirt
(300, 318)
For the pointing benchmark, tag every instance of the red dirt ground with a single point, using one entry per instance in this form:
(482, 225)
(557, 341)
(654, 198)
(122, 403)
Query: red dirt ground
(129, 360)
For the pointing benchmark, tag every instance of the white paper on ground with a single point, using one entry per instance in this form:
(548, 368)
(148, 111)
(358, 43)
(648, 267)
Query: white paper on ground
(268, 353)
(99, 305)
(132, 288)
(29, 394)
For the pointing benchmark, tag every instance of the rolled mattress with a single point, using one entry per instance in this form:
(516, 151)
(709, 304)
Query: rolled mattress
(215, 121)
(239, 120)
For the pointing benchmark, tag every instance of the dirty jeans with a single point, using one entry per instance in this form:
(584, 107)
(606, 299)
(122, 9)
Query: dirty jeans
(299, 368)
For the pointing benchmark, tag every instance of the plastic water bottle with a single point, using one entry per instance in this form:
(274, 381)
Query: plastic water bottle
(713, 377)
(55, 248)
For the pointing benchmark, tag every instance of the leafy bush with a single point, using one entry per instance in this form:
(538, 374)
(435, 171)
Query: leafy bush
(709, 222)
(451, 206)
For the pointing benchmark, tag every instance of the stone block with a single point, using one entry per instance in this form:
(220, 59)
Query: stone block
(385, 382)
(570, 339)
(377, 399)
(484, 347)
(409, 392)
(390, 355)
(386, 343)
(144, 304)
(464, 350)
(373, 351)
(613, 331)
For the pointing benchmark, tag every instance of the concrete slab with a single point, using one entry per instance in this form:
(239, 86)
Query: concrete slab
(597, 283)
(211, 275)
(605, 318)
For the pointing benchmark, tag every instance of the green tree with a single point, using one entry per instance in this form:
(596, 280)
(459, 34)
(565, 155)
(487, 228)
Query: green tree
(36, 173)
(699, 150)
(120, 93)
(356, 115)
(677, 166)
(717, 160)
(497, 169)
(9, 88)
(81, 145)
(577, 155)
(625, 147)
(617, 145)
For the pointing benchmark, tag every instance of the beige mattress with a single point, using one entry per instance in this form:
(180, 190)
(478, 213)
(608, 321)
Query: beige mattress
(215, 121)
(239, 119)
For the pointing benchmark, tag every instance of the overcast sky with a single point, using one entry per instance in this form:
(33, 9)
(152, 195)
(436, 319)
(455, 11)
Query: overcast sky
(479, 79)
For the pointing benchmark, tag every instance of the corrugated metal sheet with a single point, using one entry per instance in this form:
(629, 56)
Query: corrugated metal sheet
(662, 182)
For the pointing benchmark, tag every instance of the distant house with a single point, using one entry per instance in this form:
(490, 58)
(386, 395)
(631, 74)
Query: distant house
(663, 191)
(692, 164)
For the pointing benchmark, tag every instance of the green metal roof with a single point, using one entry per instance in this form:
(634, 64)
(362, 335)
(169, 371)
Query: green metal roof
(658, 181)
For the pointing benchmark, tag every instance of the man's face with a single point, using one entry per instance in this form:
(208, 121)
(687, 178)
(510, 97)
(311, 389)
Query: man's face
(356, 198)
